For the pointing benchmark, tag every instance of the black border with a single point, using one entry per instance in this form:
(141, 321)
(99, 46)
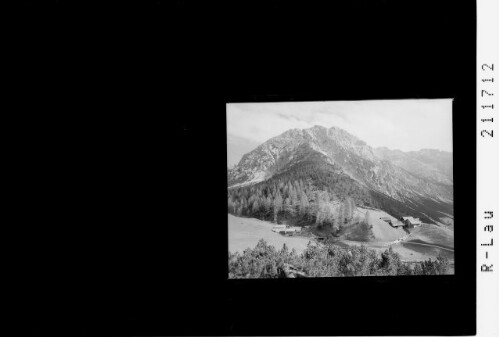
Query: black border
(147, 84)
(376, 306)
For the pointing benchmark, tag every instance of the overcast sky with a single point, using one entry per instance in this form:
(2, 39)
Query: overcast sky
(407, 125)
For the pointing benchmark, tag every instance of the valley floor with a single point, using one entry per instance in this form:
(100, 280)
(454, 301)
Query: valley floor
(423, 243)
(246, 232)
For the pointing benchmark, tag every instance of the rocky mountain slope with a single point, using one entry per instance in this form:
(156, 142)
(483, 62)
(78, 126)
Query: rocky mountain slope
(236, 148)
(433, 165)
(422, 179)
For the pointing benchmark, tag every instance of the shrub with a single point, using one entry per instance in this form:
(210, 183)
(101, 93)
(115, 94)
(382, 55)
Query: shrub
(328, 260)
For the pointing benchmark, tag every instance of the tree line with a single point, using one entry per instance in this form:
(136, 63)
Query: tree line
(264, 261)
(300, 200)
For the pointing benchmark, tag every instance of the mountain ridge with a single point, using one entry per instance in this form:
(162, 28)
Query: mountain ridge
(414, 178)
(357, 158)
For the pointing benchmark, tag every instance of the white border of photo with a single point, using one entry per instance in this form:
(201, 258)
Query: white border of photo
(487, 169)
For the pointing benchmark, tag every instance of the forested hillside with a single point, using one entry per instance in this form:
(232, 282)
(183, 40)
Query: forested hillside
(311, 192)
(308, 193)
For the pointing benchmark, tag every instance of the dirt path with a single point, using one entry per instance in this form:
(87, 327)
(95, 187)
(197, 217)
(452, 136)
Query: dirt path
(433, 235)
(430, 245)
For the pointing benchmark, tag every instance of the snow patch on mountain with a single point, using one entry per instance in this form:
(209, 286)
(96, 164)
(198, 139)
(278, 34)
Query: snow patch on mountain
(257, 177)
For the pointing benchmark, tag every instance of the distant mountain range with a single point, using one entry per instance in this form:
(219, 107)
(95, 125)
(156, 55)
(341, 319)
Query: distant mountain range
(418, 180)
(434, 165)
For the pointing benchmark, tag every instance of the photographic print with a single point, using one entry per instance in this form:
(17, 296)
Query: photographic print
(340, 188)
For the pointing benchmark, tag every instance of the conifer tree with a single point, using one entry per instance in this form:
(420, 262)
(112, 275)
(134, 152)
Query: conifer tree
(289, 208)
(278, 203)
(289, 187)
(367, 217)
(231, 206)
(293, 197)
(255, 207)
(340, 216)
(304, 204)
(268, 204)
(353, 207)
(348, 210)
(319, 213)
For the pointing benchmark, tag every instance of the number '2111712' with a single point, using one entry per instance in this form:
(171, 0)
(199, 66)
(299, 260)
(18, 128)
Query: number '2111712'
(485, 94)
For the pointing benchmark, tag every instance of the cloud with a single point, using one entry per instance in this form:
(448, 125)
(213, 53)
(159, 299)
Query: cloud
(398, 124)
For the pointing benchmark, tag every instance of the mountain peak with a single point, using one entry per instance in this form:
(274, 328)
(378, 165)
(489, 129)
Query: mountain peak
(318, 127)
(392, 173)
